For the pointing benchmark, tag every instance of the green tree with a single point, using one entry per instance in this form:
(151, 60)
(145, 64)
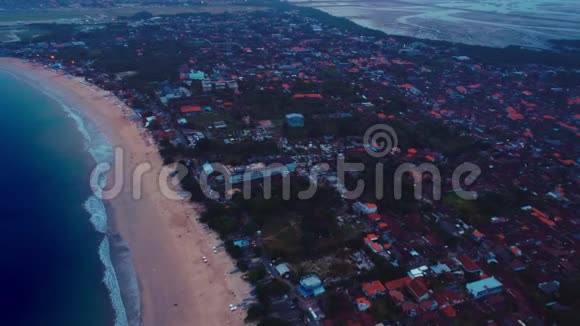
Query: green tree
(256, 311)
(255, 275)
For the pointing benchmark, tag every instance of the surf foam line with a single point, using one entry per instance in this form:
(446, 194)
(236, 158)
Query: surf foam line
(97, 145)
(101, 151)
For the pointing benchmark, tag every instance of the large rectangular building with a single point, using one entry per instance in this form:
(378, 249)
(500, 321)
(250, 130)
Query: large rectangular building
(481, 288)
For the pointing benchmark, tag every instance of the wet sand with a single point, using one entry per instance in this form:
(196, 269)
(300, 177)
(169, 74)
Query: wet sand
(166, 241)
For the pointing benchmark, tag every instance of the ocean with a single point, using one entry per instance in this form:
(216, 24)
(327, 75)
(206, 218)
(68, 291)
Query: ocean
(56, 257)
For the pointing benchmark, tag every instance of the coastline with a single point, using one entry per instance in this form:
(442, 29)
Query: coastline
(465, 22)
(166, 242)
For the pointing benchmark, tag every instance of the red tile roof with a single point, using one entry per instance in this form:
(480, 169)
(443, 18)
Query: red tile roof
(568, 126)
(374, 216)
(397, 296)
(453, 297)
(376, 247)
(478, 234)
(370, 237)
(371, 206)
(374, 288)
(418, 288)
(513, 114)
(543, 217)
(467, 263)
(397, 284)
(383, 225)
(515, 250)
(364, 301)
(190, 108)
(449, 311)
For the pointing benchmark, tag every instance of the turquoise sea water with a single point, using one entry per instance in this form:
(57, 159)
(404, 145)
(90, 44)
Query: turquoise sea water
(55, 267)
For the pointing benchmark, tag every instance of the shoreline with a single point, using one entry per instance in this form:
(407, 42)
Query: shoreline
(166, 241)
(440, 24)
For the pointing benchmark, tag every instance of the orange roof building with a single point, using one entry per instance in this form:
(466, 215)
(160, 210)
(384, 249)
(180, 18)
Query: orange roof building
(397, 284)
(383, 225)
(307, 96)
(374, 288)
(543, 217)
(449, 311)
(374, 217)
(477, 235)
(190, 108)
(363, 304)
(418, 289)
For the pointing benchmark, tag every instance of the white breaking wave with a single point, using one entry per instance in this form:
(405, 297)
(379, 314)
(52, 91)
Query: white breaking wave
(110, 280)
(97, 145)
(94, 205)
(102, 152)
(95, 142)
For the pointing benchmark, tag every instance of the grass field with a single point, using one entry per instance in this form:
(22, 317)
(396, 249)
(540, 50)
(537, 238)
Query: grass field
(53, 15)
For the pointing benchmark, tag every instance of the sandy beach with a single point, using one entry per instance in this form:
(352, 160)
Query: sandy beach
(166, 241)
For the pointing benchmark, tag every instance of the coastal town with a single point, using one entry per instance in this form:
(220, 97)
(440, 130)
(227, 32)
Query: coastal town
(288, 93)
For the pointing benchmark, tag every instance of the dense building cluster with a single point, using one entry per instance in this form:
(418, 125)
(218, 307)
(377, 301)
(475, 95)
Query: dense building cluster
(288, 87)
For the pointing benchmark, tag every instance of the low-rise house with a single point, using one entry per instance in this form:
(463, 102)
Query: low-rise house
(481, 288)
(477, 235)
(364, 209)
(418, 272)
(397, 284)
(283, 270)
(468, 264)
(371, 242)
(310, 285)
(363, 304)
(295, 120)
(418, 289)
(440, 269)
(242, 243)
(373, 289)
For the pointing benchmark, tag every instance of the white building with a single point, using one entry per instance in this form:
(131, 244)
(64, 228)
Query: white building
(481, 288)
